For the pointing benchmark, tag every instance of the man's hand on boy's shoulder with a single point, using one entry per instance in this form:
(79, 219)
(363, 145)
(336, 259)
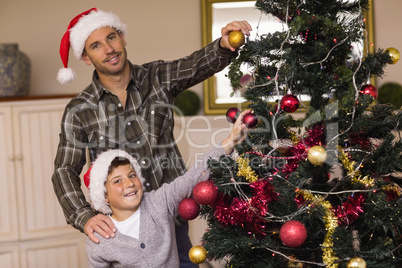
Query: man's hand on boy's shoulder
(100, 224)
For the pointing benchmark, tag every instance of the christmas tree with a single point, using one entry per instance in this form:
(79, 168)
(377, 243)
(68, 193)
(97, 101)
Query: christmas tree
(321, 190)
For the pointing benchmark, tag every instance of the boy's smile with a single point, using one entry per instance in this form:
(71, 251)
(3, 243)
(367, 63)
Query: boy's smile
(123, 192)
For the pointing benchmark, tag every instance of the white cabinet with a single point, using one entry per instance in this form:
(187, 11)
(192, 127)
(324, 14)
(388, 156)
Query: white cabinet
(33, 230)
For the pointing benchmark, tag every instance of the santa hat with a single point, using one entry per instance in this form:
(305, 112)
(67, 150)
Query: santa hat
(95, 178)
(78, 31)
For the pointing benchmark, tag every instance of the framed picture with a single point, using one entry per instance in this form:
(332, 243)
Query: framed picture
(218, 93)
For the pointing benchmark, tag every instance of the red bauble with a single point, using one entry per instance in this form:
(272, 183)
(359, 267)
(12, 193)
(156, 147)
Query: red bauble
(250, 120)
(293, 234)
(370, 90)
(289, 103)
(232, 114)
(205, 193)
(189, 209)
(245, 80)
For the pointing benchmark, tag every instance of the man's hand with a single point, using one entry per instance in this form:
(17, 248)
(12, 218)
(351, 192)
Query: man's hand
(242, 26)
(101, 224)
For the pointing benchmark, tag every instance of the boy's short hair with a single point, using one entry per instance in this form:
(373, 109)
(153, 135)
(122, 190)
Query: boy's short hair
(117, 162)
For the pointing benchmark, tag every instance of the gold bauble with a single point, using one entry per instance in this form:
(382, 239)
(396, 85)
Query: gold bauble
(197, 254)
(317, 155)
(394, 54)
(356, 262)
(236, 39)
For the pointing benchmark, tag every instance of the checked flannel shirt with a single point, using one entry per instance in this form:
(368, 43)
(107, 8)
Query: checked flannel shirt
(95, 119)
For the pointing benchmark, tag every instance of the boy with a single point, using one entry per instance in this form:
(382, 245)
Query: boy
(145, 221)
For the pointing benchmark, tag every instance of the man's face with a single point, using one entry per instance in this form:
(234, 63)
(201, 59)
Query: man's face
(105, 49)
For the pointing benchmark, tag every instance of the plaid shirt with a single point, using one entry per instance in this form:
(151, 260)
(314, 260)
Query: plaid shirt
(95, 119)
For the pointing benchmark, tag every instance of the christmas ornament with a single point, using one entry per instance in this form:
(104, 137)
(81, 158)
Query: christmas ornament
(232, 114)
(249, 214)
(250, 120)
(331, 223)
(369, 90)
(394, 54)
(245, 80)
(189, 209)
(204, 193)
(317, 155)
(236, 39)
(289, 103)
(197, 254)
(245, 170)
(356, 262)
(350, 210)
(293, 234)
(352, 172)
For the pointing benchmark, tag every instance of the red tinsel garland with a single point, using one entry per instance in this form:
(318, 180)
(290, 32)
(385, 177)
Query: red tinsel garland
(347, 212)
(246, 213)
(359, 138)
(350, 210)
(314, 136)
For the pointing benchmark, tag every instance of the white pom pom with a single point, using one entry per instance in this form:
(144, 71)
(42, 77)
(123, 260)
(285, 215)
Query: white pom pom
(65, 75)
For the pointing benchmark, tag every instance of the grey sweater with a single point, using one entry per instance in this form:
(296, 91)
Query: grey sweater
(156, 246)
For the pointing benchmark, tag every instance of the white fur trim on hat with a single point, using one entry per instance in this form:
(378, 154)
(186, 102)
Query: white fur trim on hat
(95, 20)
(98, 177)
(65, 75)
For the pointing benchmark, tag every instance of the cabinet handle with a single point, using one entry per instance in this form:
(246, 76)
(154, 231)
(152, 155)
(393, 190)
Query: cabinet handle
(11, 158)
(18, 157)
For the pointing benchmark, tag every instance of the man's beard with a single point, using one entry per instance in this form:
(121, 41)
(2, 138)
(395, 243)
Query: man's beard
(108, 71)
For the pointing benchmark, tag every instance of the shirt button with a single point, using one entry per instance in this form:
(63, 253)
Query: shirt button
(101, 137)
(138, 142)
(129, 123)
(142, 245)
(119, 104)
(152, 112)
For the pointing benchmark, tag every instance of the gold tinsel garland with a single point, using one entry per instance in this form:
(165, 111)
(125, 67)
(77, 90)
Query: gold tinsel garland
(331, 223)
(352, 171)
(245, 170)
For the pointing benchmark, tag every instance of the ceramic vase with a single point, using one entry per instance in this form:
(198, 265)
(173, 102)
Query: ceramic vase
(15, 71)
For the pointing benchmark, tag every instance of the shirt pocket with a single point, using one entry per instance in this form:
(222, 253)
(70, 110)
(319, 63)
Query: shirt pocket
(159, 117)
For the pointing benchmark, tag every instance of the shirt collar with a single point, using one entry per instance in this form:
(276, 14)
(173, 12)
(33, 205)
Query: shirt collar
(99, 90)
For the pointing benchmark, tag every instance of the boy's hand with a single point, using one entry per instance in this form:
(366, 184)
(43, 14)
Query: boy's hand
(237, 135)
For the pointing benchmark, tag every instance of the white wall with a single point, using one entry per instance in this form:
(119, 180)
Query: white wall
(158, 29)
(387, 33)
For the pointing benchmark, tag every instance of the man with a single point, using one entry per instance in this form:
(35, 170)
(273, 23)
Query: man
(127, 107)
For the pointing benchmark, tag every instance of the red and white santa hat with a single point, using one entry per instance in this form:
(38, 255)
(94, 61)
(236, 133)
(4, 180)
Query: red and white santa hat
(96, 177)
(78, 31)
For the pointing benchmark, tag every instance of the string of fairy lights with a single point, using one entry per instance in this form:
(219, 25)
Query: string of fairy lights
(312, 198)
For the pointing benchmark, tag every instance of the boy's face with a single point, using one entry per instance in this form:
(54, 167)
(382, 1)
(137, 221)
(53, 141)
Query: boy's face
(123, 192)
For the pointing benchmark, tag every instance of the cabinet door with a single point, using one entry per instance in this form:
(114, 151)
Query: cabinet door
(54, 253)
(9, 256)
(8, 200)
(36, 130)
